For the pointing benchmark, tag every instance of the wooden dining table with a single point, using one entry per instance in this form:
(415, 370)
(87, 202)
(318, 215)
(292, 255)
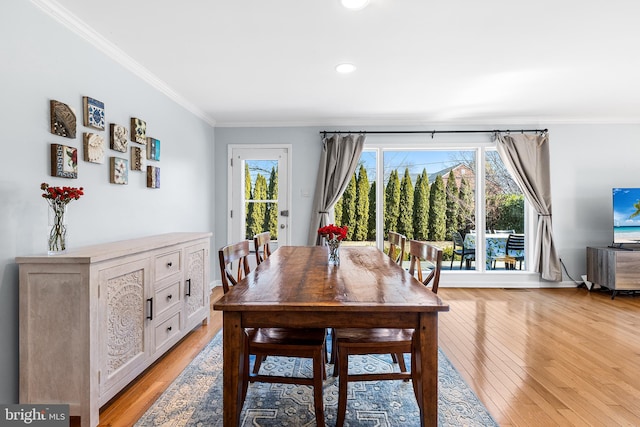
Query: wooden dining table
(295, 287)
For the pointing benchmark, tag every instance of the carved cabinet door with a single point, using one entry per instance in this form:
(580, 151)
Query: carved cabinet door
(123, 314)
(196, 284)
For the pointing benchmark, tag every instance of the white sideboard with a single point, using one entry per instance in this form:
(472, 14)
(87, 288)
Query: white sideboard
(92, 319)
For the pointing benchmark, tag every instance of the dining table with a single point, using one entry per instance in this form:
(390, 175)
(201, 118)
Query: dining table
(297, 288)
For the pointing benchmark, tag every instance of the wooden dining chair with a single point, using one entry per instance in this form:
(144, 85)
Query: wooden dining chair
(287, 342)
(384, 340)
(397, 243)
(261, 243)
(396, 246)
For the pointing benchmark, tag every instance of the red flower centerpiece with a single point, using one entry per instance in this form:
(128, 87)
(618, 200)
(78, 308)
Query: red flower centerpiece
(58, 198)
(333, 235)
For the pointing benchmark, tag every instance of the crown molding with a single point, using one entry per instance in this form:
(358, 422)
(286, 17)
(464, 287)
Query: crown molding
(72, 22)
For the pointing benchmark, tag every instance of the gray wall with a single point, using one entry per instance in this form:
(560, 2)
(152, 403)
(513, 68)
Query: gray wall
(586, 162)
(42, 60)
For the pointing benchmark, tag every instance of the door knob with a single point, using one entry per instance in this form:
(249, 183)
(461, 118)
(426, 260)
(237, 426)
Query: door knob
(282, 226)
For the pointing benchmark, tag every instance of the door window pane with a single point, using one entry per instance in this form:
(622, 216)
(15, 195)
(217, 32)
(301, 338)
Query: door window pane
(260, 197)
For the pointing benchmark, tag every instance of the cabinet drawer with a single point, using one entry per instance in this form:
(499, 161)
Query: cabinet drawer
(167, 297)
(167, 264)
(167, 330)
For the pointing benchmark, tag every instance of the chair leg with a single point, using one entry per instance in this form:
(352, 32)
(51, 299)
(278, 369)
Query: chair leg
(259, 359)
(401, 364)
(334, 346)
(318, 375)
(245, 370)
(343, 357)
(336, 362)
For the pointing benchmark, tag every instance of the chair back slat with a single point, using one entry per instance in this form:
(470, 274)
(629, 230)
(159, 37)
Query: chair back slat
(235, 252)
(515, 242)
(261, 242)
(432, 255)
(397, 243)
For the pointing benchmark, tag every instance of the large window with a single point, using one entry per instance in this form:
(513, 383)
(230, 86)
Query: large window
(430, 194)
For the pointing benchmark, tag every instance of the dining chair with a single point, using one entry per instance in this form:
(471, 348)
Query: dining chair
(396, 246)
(466, 254)
(384, 340)
(287, 342)
(261, 243)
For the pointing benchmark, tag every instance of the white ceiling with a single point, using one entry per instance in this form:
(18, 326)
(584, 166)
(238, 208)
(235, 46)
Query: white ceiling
(420, 62)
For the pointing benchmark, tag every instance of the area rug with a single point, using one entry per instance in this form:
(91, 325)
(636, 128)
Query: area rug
(195, 397)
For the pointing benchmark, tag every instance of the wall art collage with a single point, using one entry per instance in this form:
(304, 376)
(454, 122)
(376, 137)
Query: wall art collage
(64, 158)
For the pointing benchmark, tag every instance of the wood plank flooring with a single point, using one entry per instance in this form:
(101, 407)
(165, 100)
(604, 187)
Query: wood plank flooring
(535, 357)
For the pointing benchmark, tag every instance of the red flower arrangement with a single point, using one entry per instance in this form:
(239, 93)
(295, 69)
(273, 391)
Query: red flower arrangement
(61, 195)
(332, 232)
(58, 198)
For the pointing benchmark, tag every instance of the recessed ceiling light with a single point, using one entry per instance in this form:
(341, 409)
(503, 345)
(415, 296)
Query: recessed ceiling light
(345, 68)
(355, 4)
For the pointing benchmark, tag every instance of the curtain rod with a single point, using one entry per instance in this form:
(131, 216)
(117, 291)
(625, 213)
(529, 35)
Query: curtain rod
(433, 132)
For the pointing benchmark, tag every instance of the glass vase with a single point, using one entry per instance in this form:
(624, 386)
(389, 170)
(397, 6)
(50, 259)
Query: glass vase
(334, 251)
(57, 229)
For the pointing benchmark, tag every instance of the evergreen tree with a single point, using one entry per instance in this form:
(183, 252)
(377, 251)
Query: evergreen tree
(271, 216)
(437, 211)
(258, 209)
(466, 218)
(405, 216)
(362, 206)
(337, 212)
(349, 207)
(371, 233)
(452, 205)
(421, 207)
(391, 203)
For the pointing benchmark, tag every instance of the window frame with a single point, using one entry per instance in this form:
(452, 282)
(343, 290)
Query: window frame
(479, 277)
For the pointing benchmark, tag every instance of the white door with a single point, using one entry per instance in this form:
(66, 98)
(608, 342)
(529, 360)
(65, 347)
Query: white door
(260, 193)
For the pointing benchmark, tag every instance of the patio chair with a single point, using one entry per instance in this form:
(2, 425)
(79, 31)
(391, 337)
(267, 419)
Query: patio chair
(466, 254)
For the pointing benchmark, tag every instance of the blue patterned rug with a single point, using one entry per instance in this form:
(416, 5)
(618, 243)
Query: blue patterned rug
(195, 397)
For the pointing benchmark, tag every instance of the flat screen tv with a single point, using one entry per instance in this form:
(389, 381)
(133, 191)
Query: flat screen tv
(626, 216)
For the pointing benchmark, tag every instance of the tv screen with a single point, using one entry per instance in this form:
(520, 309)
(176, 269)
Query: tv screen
(626, 215)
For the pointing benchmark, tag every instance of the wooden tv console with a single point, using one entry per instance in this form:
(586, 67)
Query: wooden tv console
(614, 268)
(92, 319)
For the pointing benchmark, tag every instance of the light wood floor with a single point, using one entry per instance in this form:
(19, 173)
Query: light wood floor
(561, 357)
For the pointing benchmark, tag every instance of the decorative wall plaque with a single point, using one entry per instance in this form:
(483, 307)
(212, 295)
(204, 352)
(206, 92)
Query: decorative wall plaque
(119, 171)
(137, 160)
(64, 161)
(93, 148)
(153, 177)
(153, 149)
(63, 119)
(138, 131)
(119, 141)
(93, 113)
